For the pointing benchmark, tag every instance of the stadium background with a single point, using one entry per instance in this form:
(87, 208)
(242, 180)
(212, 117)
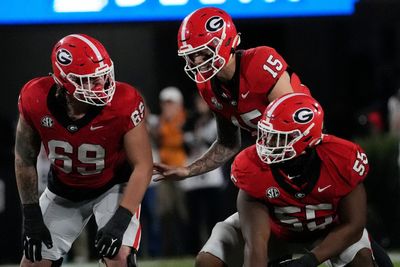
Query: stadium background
(351, 63)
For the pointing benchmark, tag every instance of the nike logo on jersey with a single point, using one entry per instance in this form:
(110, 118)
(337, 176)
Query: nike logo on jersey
(94, 128)
(291, 177)
(323, 188)
(245, 94)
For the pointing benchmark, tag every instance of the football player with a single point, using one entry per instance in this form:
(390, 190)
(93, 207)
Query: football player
(236, 84)
(300, 192)
(93, 132)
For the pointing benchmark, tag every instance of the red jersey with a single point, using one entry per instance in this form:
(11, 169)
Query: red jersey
(301, 213)
(245, 99)
(85, 153)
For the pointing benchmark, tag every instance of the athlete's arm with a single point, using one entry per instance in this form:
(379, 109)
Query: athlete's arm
(281, 88)
(35, 232)
(138, 150)
(225, 147)
(352, 212)
(27, 147)
(254, 223)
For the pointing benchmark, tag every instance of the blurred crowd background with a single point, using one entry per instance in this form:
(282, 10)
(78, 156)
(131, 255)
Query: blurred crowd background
(350, 63)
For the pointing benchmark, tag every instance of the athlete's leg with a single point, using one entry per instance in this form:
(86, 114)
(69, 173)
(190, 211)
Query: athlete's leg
(27, 263)
(363, 258)
(103, 211)
(224, 247)
(357, 255)
(65, 220)
(380, 255)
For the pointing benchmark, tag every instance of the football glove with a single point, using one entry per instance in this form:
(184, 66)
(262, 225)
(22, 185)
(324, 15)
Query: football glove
(109, 238)
(307, 260)
(34, 232)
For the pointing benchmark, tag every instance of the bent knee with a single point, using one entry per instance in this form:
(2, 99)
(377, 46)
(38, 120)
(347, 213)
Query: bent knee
(205, 259)
(120, 259)
(363, 258)
(27, 263)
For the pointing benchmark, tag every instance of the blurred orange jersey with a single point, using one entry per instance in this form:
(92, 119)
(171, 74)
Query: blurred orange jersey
(171, 141)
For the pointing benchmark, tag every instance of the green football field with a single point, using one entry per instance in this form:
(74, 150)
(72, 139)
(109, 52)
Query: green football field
(187, 262)
(178, 263)
(183, 263)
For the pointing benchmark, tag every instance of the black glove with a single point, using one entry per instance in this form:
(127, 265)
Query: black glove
(109, 238)
(308, 260)
(276, 262)
(34, 232)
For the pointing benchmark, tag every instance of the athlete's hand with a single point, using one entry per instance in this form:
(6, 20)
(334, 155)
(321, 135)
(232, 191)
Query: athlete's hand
(308, 260)
(109, 238)
(34, 232)
(170, 173)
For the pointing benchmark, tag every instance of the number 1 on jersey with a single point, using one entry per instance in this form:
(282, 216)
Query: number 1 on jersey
(273, 64)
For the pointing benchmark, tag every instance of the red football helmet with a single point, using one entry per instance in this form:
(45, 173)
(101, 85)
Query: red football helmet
(208, 32)
(83, 67)
(289, 125)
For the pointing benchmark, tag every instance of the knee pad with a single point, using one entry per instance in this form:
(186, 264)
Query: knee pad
(57, 263)
(275, 262)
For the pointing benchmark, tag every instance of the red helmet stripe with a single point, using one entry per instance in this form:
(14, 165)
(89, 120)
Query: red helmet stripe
(92, 46)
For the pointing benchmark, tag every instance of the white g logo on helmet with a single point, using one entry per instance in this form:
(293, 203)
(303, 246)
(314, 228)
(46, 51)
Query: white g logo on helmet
(215, 23)
(64, 57)
(303, 115)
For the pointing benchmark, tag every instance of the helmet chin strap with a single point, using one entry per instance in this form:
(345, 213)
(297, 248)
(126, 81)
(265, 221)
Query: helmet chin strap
(235, 43)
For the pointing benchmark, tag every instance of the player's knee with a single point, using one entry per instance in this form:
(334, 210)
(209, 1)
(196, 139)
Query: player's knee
(26, 263)
(200, 259)
(43, 263)
(120, 259)
(224, 227)
(363, 258)
(205, 259)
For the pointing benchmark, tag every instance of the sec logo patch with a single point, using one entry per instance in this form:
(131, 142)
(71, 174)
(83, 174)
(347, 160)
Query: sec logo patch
(272, 192)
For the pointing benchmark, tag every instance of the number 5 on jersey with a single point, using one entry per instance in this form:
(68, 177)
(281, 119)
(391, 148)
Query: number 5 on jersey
(273, 66)
(360, 162)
